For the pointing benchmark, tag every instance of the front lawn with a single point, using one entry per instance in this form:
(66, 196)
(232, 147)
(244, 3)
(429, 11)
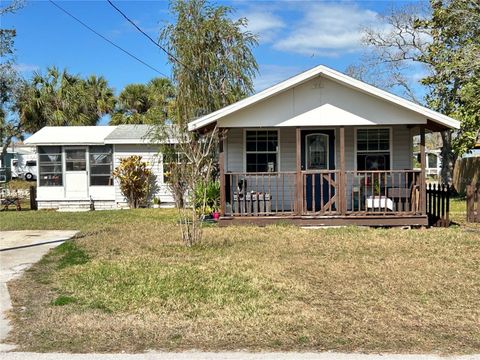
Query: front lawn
(127, 283)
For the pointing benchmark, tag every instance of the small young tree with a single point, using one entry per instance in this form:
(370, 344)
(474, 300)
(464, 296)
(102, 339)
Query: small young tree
(135, 180)
(213, 66)
(188, 177)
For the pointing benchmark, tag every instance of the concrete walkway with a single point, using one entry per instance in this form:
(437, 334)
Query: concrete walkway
(228, 356)
(18, 251)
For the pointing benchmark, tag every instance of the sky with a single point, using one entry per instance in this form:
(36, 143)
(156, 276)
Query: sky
(293, 36)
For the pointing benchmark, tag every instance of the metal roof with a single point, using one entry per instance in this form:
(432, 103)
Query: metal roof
(70, 135)
(94, 135)
(130, 134)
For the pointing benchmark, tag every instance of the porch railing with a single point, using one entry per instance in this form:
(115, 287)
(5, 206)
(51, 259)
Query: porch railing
(389, 192)
(323, 193)
(260, 194)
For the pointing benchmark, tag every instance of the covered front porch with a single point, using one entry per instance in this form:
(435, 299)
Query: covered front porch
(322, 176)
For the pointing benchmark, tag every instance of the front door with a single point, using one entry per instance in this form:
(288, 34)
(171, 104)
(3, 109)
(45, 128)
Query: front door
(318, 156)
(76, 174)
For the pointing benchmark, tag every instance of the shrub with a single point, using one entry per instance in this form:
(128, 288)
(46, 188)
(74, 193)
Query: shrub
(207, 197)
(135, 180)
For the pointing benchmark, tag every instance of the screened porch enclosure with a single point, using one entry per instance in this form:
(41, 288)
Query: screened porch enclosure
(320, 172)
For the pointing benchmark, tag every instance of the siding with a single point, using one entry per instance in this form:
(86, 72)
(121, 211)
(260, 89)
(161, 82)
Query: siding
(402, 148)
(153, 158)
(234, 158)
(321, 102)
(401, 155)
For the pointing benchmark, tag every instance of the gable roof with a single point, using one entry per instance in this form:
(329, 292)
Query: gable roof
(331, 74)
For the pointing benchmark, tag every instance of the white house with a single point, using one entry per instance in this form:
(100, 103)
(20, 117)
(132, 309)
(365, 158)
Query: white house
(323, 148)
(75, 165)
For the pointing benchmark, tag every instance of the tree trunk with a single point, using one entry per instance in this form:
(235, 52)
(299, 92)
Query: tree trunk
(448, 157)
(5, 145)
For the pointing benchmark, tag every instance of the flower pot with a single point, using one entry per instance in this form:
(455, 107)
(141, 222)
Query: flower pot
(216, 215)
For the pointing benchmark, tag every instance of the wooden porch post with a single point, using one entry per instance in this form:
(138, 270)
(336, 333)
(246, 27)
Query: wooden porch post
(299, 182)
(423, 180)
(221, 159)
(342, 181)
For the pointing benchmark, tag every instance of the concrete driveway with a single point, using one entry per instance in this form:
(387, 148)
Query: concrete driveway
(18, 251)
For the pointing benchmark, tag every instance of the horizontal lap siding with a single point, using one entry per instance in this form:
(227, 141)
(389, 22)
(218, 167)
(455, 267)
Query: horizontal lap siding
(153, 158)
(234, 158)
(402, 148)
(401, 158)
(235, 163)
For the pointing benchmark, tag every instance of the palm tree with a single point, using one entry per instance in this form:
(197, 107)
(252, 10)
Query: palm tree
(144, 104)
(59, 98)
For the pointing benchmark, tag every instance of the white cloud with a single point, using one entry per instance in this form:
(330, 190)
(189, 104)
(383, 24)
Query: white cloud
(273, 74)
(265, 24)
(25, 68)
(327, 29)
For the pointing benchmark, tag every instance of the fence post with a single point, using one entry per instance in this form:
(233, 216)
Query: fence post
(33, 198)
(447, 215)
(477, 194)
(470, 203)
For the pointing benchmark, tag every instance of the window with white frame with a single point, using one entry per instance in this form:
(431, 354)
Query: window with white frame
(101, 165)
(373, 149)
(261, 150)
(50, 170)
(171, 158)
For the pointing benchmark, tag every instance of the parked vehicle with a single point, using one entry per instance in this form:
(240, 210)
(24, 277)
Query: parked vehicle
(24, 167)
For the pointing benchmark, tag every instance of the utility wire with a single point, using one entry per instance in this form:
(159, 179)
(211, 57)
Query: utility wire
(108, 40)
(173, 57)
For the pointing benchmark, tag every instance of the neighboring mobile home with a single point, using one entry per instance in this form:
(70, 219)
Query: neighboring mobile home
(322, 148)
(76, 164)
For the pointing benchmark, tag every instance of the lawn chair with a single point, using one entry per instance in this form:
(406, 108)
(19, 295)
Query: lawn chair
(7, 200)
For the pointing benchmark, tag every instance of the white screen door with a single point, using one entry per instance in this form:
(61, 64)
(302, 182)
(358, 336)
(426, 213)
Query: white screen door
(76, 174)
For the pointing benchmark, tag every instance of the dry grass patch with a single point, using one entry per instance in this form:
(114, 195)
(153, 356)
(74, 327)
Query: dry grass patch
(135, 287)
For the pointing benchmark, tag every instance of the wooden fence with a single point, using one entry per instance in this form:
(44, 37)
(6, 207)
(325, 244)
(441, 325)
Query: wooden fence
(438, 205)
(33, 198)
(473, 203)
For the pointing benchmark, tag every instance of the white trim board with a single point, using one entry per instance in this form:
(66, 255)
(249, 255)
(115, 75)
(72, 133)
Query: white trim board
(332, 75)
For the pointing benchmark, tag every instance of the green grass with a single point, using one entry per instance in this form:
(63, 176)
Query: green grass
(63, 300)
(84, 221)
(71, 255)
(127, 283)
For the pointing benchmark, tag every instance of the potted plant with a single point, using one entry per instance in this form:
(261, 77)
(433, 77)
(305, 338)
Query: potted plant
(216, 213)
(156, 202)
(208, 200)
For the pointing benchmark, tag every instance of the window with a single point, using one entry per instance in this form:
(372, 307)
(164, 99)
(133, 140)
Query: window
(101, 165)
(171, 157)
(50, 170)
(262, 151)
(316, 151)
(31, 163)
(373, 149)
(75, 160)
(432, 161)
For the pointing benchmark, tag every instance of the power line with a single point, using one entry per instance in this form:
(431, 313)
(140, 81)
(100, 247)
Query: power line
(173, 57)
(108, 40)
